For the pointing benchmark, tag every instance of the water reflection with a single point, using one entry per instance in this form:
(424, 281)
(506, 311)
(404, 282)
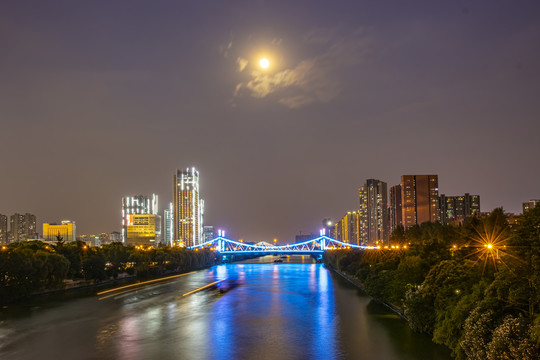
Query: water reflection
(262, 311)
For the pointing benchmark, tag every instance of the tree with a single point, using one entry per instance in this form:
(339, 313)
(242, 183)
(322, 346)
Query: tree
(93, 267)
(512, 340)
(477, 334)
(526, 241)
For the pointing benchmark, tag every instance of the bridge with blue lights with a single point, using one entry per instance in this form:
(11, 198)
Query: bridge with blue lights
(315, 247)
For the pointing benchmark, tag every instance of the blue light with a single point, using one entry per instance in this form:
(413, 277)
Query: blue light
(313, 246)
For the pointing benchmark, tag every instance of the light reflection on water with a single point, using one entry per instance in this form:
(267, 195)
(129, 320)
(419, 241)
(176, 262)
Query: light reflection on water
(266, 311)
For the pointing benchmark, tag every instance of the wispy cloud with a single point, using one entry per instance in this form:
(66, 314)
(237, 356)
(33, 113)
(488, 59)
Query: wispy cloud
(318, 78)
(242, 63)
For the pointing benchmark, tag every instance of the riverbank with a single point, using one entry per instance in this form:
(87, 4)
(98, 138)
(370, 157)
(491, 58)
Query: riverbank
(33, 269)
(356, 282)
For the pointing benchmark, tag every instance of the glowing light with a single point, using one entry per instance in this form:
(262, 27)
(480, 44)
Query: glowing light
(264, 63)
(138, 285)
(490, 245)
(203, 287)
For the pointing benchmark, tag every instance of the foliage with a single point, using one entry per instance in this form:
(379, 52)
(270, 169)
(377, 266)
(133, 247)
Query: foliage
(474, 287)
(512, 340)
(30, 267)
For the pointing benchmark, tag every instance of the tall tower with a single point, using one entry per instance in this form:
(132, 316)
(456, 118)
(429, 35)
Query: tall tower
(394, 210)
(373, 212)
(420, 199)
(22, 227)
(3, 229)
(168, 221)
(187, 208)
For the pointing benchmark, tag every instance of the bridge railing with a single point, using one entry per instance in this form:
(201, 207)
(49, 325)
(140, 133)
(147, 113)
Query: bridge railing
(316, 245)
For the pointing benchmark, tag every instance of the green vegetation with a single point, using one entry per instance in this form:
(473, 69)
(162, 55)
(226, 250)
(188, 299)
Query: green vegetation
(27, 268)
(474, 288)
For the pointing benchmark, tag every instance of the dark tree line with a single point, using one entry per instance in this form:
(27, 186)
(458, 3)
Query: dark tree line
(27, 268)
(475, 288)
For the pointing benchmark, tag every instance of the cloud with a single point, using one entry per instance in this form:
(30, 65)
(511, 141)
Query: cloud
(242, 63)
(319, 78)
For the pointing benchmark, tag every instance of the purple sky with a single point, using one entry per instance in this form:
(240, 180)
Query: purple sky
(102, 99)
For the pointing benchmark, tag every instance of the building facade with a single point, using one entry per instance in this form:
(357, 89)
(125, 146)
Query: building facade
(530, 204)
(22, 227)
(395, 209)
(328, 227)
(455, 209)
(115, 236)
(187, 208)
(347, 229)
(168, 225)
(143, 229)
(373, 213)
(137, 205)
(3, 229)
(208, 233)
(420, 199)
(66, 230)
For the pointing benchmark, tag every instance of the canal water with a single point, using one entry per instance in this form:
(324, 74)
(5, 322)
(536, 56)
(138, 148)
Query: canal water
(261, 310)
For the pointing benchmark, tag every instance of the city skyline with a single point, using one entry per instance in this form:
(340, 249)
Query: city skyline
(103, 101)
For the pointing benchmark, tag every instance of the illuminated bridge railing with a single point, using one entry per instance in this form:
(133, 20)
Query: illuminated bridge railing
(313, 246)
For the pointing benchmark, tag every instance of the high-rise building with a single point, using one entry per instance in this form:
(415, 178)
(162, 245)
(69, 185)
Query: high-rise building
(168, 225)
(395, 209)
(143, 229)
(22, 227)
(188, 208)
(90, 240)
(3, 229)
(420, 199)
(455, 209)
(530, 204)
(208, 233)
(104, 239)
(137, 205)
(347, 229)
(66, 229)
(328, 227)
(115, 236)
(373, 214)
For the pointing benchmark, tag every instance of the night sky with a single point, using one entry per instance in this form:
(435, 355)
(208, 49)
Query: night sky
(104, 99)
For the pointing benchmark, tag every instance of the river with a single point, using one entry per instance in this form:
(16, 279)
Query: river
(261, 310)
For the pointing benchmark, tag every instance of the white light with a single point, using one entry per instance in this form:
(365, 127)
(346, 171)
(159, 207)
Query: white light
(264, 63)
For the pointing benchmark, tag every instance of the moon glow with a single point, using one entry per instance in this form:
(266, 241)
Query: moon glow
(264, 63)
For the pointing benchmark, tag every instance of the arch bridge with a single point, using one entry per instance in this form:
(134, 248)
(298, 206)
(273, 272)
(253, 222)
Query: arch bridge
(315, 247)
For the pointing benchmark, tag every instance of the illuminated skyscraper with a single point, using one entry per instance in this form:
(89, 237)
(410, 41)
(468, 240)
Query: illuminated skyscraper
(347, 229)
(168, 225)
(143, 229)
(188, 208)
(420, 199)
(455, 209)
(137, 205)
(208, 233)
(373, 214)
(328, 227)
(22, 227)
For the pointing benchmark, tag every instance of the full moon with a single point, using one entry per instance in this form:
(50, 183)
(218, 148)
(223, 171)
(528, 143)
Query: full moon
(264, 63)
